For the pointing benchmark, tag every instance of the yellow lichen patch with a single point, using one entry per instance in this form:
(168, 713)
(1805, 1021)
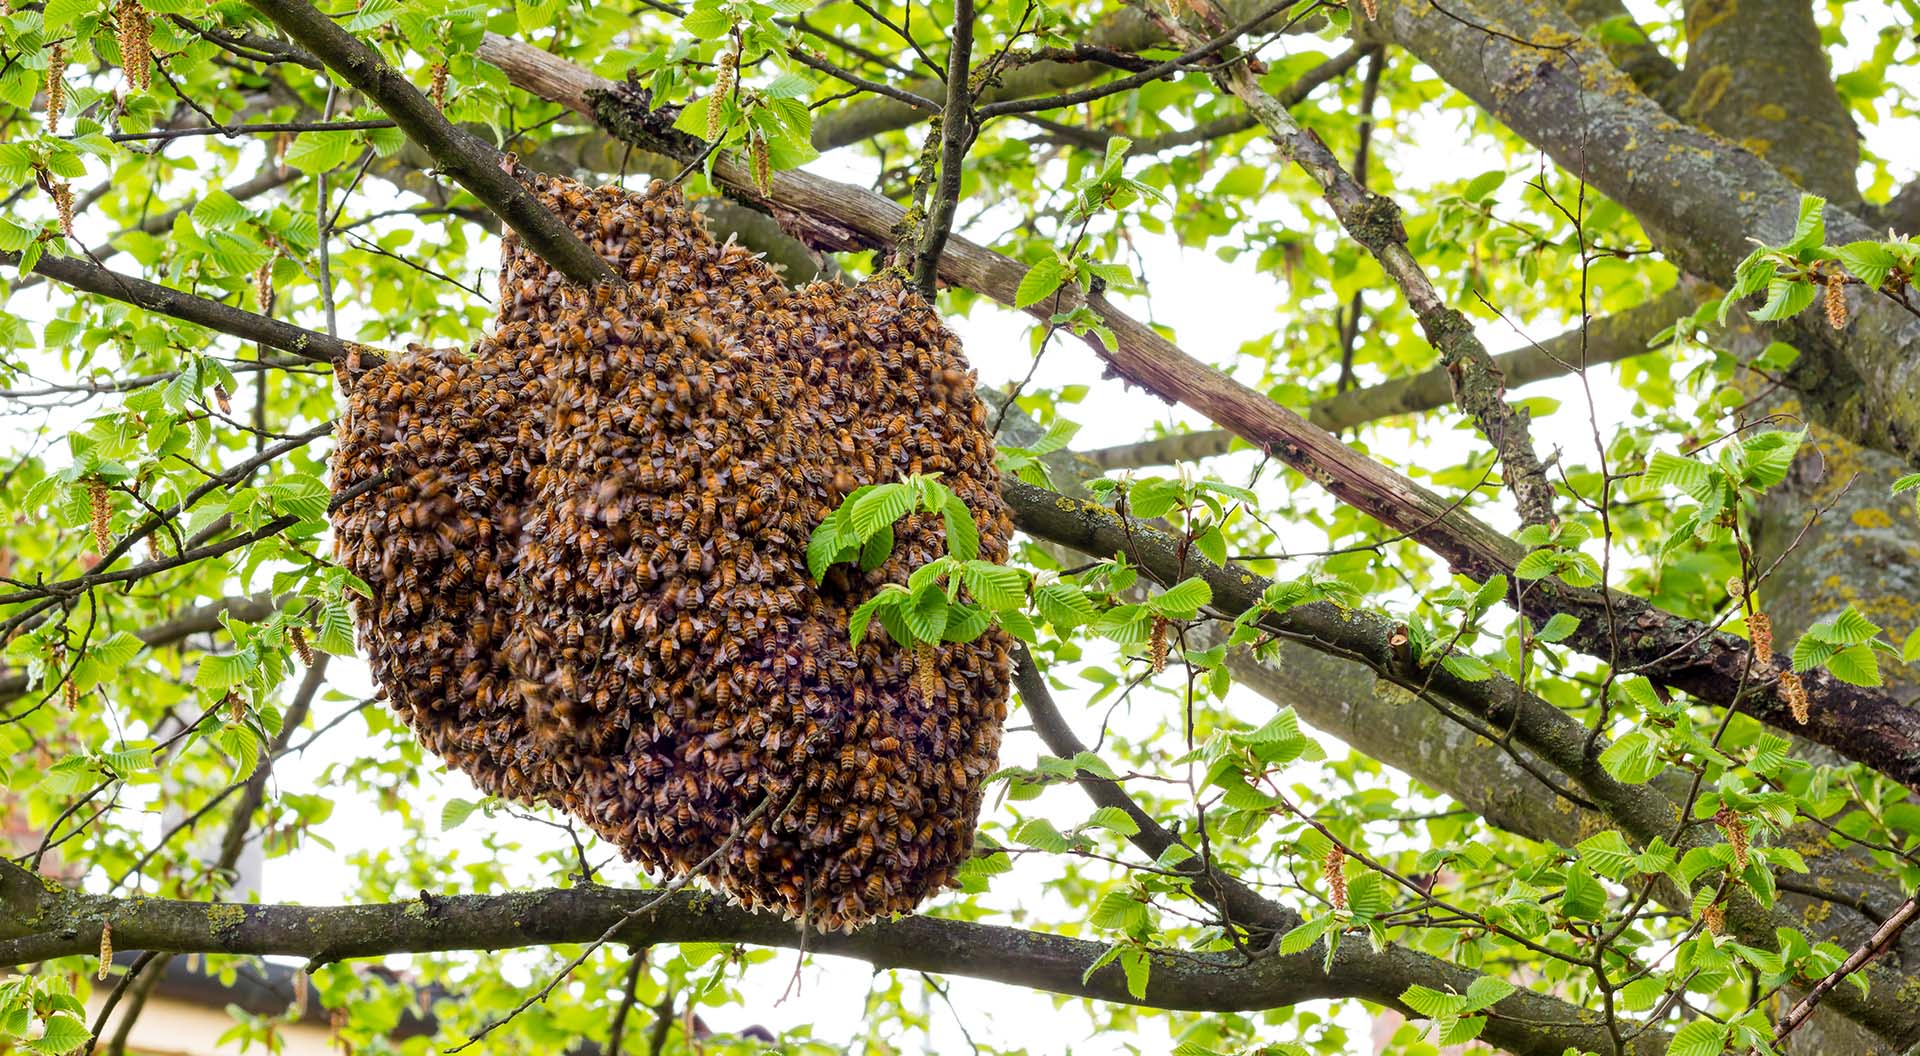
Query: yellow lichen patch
(1757, 145)
(225, 916)
(1708, 90)
(1771, 112)
(1872, 517)
(1706, 15)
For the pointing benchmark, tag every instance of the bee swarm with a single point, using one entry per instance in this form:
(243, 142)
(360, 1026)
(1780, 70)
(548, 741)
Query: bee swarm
(589, 573)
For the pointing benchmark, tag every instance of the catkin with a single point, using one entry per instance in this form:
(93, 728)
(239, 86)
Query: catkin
(440, 86)
(222, 398)
(1837, 300)
(1796, 693)
(1157, 645)
(722, 87)
(56, 86)
(100, 508)
(302, 647)
(62, 204)
(1735, 827)
(106, 950)
(762, 164)
(1333, 868)
(1715, 918)
(1760, 630)
(1372, 8)
(135, 35)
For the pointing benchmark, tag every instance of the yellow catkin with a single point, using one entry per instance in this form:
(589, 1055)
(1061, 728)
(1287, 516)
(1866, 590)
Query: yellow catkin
(1157, 645)
(302, 646)
(263, 287)
(440, 85)
(236, 708)
(762, 165)
(100, 505)
(1333, 867)
(222, 397)
(925, 673)
(135, 33)
(70, 694)
(62, 193)
(106, 950)
(1837, 301)
(1796, 694)
(1715, 918)
(722, 87)
(56, 86)
(1760, 629)
(1735, 827)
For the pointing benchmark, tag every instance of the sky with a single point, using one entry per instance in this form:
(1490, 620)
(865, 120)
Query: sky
(1188, 287)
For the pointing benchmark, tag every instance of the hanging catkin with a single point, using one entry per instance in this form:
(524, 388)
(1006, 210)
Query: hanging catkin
(589, 574)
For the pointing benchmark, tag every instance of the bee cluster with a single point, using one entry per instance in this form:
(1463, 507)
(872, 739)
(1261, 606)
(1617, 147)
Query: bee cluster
(589, 572)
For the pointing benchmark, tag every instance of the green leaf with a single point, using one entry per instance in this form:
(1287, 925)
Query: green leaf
(1632, 759)
(1040, 281)
(1786, 298)
(1115, 820)
(1810, 230)
(1856, 665)
(926, 614)
(1119, 911)
(1608, 854)
(1486, 991)
(1702, 1037)
(707, 23)
(995, 586)
(314, 152)
(1182, 601)
(1302, 938)
(1153, 497)
(1870, 262)
(64, 1033)
(1584, 899)
(336, 629)
(1484, 184)
(1558, 627)
(879, 508)
(963, 536)
(1537, 565)
(1039, 833)
(455, 812)
(1063, 606)
(1431, 1003)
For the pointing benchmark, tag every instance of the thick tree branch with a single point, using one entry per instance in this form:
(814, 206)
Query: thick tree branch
(44, 921)
(215, 316)
(474, 164)
(1608, 339)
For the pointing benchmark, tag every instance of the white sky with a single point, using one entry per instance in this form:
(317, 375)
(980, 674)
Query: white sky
(1213, 307)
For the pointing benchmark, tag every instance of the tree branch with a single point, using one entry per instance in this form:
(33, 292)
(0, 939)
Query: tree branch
(43, 922)
(1609, 339)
